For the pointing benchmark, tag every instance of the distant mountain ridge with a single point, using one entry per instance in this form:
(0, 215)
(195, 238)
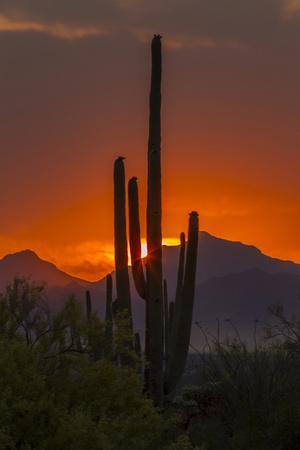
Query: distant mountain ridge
(216, 257)
(28, 263)
(234, 280)
(245, 298)
(236, 254)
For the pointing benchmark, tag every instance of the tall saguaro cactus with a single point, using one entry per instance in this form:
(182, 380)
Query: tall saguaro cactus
(162, 326)
(168, 325)
(154, 294)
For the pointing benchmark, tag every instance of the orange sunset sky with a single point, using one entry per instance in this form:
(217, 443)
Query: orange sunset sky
(74, 85)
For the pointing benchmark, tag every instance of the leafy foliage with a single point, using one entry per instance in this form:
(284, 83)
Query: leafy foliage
(59, 389)
(63, 387)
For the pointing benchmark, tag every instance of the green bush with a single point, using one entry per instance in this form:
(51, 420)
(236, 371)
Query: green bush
(58, 389)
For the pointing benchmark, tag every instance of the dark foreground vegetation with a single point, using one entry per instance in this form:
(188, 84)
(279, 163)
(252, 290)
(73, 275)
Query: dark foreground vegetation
(243, 399)
(62, 386)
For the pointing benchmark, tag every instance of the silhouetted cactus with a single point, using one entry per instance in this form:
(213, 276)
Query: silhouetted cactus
(171, 317)
(137, 345)
(176, 306)
(108, 311)
(182, 324)
(154, 232)
(88, 305)
(180, 272)
(114, 309)
(166, 325)
(135, 238)
(138, 351)
(121, 253)
(162, 318)
(166, 320)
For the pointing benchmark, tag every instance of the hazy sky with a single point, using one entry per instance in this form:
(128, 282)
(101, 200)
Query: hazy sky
(74, 84)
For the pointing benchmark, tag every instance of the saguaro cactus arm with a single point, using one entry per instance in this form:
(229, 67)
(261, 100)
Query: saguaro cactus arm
(180, 272)
(121, 253)
(179, 285)
(135, 238)
(181, 334)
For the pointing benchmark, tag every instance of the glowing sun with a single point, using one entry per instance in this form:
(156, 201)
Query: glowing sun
(166, 241)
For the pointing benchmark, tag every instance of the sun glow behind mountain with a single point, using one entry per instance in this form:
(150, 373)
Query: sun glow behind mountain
(166, 241)
(92, 260)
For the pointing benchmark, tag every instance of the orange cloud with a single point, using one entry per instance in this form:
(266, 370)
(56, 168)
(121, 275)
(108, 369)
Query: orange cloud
(290, 7)
(90, 260)
(56, 29)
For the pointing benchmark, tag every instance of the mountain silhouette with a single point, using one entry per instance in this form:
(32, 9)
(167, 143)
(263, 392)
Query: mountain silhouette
(242, 301)
(234, 281)
(28, 263)
(218, 257)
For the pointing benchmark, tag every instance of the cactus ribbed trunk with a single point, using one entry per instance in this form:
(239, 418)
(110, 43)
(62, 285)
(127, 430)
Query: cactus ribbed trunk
(154, 304)
(181, 330)
(121, 253)
(135, 238)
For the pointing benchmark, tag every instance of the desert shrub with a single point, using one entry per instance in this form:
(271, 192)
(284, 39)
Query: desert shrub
(245, 399)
